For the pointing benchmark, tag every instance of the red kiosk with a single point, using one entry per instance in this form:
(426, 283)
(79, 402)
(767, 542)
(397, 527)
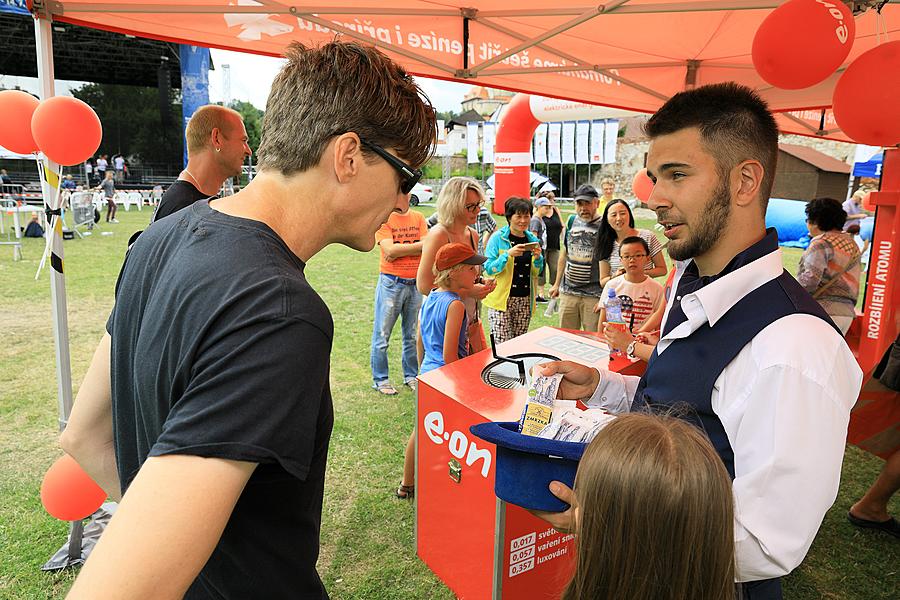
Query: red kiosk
(480, 546)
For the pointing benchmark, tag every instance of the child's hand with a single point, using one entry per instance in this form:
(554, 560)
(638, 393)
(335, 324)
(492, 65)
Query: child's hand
(616, 337)
(563, 522)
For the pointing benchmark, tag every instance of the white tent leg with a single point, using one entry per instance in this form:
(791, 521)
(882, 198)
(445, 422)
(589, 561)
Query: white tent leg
(50, 188)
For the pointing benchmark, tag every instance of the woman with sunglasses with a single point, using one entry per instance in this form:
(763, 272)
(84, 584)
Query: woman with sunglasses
(616, 225)
(458, 205)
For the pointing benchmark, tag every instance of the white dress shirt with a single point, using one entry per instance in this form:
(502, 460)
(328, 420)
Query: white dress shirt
(784, 402)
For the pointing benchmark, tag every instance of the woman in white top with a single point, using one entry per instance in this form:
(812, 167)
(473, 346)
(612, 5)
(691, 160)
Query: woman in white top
(618, 224)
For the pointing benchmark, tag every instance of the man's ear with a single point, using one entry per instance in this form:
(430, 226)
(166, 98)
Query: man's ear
(347, 156)
(747, 179)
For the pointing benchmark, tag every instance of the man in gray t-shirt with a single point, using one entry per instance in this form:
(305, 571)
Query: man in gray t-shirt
(577, 277)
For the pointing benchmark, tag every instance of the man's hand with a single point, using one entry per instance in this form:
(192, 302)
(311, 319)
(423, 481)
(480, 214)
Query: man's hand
(578, 382)
(554, 291)
(563, 522)
(597, 307)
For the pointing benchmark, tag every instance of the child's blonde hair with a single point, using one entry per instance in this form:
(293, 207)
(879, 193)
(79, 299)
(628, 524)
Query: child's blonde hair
(442, 276)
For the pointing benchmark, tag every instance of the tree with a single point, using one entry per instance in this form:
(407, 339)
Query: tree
(132, 123)
(253, 121)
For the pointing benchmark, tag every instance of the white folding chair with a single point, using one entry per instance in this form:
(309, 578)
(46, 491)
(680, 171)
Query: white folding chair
(122, 198)
(135, 198)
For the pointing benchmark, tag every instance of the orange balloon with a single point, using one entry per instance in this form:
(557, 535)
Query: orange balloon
(866, 100)
(802, 42)
(642, 185)
(17, 107)
(68, 493)
(66, 129)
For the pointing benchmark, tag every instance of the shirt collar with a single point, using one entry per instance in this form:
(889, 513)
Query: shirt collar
(748, 270)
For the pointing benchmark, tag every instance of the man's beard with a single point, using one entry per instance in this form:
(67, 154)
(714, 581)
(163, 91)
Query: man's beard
(710, 226)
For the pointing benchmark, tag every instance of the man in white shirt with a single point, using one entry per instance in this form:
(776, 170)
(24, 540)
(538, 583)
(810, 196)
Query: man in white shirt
(771, 380)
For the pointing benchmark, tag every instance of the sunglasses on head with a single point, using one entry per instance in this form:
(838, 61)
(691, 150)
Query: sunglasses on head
(409, 177)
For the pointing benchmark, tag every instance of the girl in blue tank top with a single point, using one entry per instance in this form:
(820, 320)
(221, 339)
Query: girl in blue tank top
(442, 324)
(442, 318)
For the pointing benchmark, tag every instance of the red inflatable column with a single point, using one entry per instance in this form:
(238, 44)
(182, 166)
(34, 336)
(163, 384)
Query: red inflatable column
(512, 157)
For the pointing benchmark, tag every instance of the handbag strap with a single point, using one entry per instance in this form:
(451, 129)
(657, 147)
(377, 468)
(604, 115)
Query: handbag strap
(819, 292)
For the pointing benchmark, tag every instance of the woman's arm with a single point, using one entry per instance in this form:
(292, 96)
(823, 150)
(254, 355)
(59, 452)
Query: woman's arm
(455, 314)
(659, 266)
(605, 274)
(813, 264)
(430, 245)
(653, 322)
(496, 261)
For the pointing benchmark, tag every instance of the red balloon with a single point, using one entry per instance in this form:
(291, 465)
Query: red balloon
(866, 100)
(802, 42)
(68, 493)
(15, 126)
(642, 185)
(66, 129)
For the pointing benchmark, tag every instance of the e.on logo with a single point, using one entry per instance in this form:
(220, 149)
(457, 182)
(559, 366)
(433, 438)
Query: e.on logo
(841, 30)
(460, 446)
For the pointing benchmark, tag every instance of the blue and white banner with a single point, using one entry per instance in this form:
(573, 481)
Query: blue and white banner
(868, 161)
(489, 138)
(18, 7)
(540, 143)
(194, 82)
(472, 142)
(597, 128)
(553, 137)
(582, 152)
(568, 142)
(610, 136)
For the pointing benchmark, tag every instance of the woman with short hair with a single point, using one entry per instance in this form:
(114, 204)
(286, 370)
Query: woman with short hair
(830, 266)
(514, 260)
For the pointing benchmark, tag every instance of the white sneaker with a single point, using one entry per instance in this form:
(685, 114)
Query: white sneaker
(113, 220)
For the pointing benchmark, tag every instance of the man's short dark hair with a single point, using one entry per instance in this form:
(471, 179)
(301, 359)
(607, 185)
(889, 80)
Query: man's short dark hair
(515, 205)
(826, 213)
(339, 87)
(586, 192)
(734, 122)
(853, 229)
(634, 239)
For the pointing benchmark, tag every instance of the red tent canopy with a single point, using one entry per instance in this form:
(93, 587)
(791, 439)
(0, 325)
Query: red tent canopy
(629, 54)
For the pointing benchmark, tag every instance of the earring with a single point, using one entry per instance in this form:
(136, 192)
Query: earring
(218, 149)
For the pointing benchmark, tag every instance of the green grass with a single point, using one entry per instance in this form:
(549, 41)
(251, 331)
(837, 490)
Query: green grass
(367, 535)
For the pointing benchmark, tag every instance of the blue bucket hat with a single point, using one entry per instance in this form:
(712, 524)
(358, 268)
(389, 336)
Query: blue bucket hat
(526, 465)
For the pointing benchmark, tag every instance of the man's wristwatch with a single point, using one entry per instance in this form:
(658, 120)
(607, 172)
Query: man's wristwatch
(629, 351)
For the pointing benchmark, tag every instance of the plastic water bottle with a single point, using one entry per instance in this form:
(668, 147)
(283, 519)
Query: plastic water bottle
(614, 314)
(614, 308)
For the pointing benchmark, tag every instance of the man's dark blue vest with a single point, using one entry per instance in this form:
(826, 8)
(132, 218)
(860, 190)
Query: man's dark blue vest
(682, 378)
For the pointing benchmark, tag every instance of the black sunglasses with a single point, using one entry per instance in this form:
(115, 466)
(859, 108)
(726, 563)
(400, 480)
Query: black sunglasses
(409, 177)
